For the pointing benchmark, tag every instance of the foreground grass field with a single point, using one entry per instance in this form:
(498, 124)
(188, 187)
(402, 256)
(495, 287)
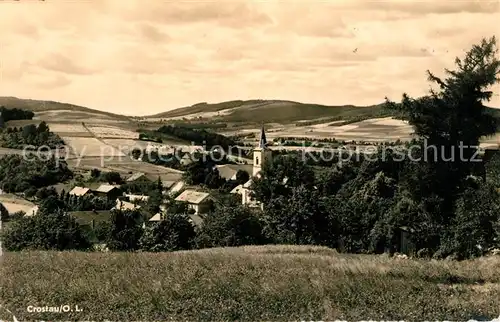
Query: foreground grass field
(250, 283)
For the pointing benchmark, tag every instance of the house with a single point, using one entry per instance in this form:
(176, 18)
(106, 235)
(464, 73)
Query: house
(246, 197)
(156, 218)
(135, 198)
(109, 191)
(176, 188)
(198, 201)
(196, 220)
(32, 212)
(125, 205)
(80, 191)
(138, 177)
(229, 171)
(187, 159)
(238, 189)
(168, 184)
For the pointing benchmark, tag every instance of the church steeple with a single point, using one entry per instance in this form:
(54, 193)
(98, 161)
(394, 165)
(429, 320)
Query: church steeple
(261, 153)
(262, 140)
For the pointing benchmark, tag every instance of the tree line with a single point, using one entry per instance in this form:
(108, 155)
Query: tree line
(198, 136)
(11, 114)
(30, 135)
(17, 174)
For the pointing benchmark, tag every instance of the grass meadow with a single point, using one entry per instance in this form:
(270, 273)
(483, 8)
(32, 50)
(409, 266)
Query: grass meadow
(247, 283)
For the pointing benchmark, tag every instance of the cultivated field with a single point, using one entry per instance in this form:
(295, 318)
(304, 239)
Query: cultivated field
(112, 132)
(66, 127)
(372, 130)
(79, 116)
(247, 284)
(15, 204)
(85, 146)
(124, 165)
(126, 145)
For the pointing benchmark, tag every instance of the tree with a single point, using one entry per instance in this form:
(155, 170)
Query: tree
(18, 173)
(51, 204)
(125, 230)
(30, 192)
(42, 127)
(277, 178)
(102, 231)
(54, 231)
(173, 233)
(112, 177)
(455, 115)
(475, 225)
(213, 180)
(299, 218)
(452, 119)
(154, 201)
(231, 226)
(159, 185)
(242, 176)
(4, 213)
(95, 173)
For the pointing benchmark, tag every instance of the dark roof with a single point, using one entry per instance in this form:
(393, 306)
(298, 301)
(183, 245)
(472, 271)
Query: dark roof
(262, 139)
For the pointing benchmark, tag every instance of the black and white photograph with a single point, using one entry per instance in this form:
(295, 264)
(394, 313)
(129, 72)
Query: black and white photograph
(249, 160)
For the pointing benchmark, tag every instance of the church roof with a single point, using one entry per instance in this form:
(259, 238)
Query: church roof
(262, 139)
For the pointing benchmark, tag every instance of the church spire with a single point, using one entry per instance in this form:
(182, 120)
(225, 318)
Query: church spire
(262, 140)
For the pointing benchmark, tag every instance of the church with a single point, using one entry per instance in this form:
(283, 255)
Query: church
(261, 155)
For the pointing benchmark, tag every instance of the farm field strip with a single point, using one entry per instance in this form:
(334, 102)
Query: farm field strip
(107, 131)
(125, 145)
(14, 204)
(66, 127)
(90, 147)
(13, 207)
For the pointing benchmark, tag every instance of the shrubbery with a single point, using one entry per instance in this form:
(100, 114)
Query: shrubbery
(18, 174)
(30, 135)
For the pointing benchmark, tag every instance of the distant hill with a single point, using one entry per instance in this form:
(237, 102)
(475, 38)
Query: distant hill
(279, 111)
(270, 111)
(238, 111)
(43, 106)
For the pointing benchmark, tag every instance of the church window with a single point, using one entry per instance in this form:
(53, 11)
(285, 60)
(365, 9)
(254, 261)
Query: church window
(256, 160)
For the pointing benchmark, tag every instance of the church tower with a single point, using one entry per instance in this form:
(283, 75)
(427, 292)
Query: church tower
(261, 154)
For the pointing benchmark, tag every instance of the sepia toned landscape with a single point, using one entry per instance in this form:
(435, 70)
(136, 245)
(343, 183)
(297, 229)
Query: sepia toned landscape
(246, 160)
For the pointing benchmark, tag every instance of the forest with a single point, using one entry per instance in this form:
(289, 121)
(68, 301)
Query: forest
(30, 136)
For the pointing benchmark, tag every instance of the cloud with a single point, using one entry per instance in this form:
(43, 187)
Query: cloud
(56, 82)
(152, 33)
(165, 54)
(424, 7)
(235, 14)
(59, 63)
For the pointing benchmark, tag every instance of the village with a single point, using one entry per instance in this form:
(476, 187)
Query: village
(174, 188)
(249, 161)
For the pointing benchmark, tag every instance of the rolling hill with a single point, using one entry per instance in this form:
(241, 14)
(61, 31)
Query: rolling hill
(279, 111)
(67, 110)
(236, 112)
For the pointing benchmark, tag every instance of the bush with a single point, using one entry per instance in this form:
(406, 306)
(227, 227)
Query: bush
(55, 231)
(126, 230)
(230, 226)
(173, 233)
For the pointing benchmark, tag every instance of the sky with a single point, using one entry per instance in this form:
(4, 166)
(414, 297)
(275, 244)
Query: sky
(144, 57)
